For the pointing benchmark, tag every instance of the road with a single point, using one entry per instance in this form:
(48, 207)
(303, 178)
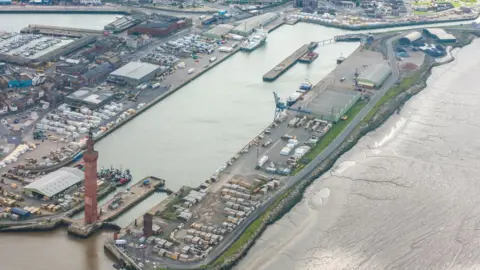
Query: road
(231, 238)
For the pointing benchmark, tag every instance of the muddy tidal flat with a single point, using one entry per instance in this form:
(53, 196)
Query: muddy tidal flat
(407, 196)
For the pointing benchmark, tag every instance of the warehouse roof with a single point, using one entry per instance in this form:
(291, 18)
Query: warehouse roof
(333, 102)
(135, 70)
(375, 73)
(57, 181)
(91, 95)
(411, 37)
(439, 33)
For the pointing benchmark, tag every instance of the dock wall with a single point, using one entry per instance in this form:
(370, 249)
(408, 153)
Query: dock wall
(135, 202)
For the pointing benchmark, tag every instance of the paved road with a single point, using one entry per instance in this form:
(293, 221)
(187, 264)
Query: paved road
(231, 238)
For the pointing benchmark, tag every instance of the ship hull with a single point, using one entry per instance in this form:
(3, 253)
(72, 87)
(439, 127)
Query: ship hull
(251, 49)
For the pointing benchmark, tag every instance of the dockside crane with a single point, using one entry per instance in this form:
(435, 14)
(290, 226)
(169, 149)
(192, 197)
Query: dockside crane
(280, 106)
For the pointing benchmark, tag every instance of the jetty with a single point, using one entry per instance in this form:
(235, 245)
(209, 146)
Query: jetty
(287, 63)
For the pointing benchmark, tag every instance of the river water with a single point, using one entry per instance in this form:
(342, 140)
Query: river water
(184, 138)
(406, 197)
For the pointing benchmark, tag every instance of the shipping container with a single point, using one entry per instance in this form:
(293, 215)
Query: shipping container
(20, 212)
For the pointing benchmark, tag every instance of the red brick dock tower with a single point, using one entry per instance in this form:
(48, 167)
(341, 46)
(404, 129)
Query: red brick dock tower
(90, 156)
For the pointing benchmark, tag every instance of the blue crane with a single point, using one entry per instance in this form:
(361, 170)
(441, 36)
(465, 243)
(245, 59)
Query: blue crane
(280, 106)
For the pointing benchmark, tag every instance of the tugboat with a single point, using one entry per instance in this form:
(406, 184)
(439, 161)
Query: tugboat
(306, 86)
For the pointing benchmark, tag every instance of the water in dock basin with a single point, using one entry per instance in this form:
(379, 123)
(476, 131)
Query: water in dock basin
(216, 115)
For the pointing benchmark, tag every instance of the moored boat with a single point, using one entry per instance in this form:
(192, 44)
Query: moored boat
(306, 85)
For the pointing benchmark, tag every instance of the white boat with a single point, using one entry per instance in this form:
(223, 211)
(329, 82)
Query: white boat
(257, 39)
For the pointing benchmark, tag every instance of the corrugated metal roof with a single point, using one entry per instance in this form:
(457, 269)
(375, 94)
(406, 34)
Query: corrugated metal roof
(375, 73)
(440, 33)
(57, 181)
(413, 36)
(135, 70)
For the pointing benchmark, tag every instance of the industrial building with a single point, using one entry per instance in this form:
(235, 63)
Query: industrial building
(440, 35)
(332, 104)
(247, 26)
(135, 73)
(122, 24)
(55, 183)
(160, 28)
(374, 75)
(410, 38)
(97, 73)
(90, 97)
(219, 31)
(17, 80)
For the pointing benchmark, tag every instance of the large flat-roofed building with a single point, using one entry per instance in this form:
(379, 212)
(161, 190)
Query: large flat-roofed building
(374, 75)
(332, 104)
(410, 38)
(440, 35)
(247, 26)
(90, 97)
(135, 73)
(55, 183)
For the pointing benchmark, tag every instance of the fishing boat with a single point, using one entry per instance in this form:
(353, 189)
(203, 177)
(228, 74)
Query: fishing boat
(118, 177)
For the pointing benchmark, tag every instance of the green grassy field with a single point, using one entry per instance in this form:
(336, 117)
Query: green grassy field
(332, 134)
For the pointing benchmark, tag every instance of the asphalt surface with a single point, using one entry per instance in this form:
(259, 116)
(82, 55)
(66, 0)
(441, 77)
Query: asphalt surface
(231, 238)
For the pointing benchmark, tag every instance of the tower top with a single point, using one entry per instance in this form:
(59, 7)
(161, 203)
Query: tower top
(90, 141)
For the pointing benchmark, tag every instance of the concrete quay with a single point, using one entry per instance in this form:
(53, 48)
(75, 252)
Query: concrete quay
(59, 31)
(287, 63)
(124, 201)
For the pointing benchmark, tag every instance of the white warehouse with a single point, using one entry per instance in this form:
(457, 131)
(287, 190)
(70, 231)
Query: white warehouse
(374, 75)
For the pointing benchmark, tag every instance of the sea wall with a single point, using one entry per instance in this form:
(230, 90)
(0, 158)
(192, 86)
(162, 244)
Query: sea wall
(295, 194)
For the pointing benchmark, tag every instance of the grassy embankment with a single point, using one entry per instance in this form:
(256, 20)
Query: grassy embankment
(331, 134)
(247, 235)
